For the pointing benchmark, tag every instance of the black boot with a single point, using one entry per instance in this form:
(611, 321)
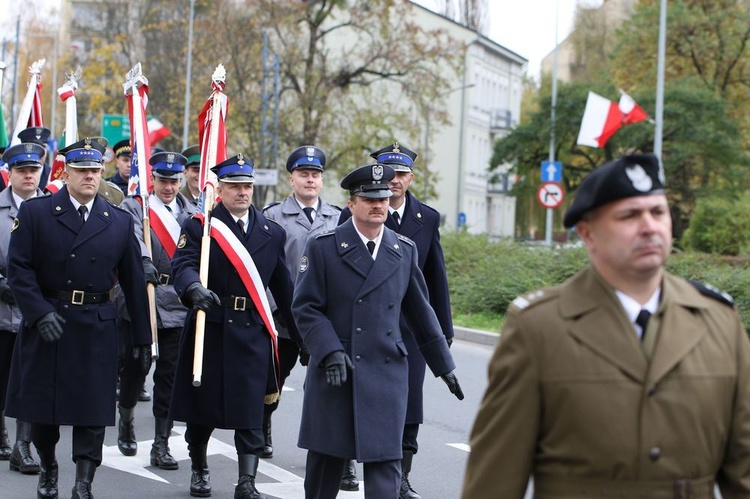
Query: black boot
(47, 487)
(160, 455)
(267, 452)
(85, 470)
(144, 396)
(349, 480)
(21, 459)
(406, 491)
(200, 480)
(4, 443)
(126, 441)
(248, 465)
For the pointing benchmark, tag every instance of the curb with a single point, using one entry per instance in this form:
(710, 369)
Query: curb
(475, 335)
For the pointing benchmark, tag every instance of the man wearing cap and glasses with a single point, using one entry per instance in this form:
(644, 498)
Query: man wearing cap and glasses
(302, 215)
(66, 252)
(24, 169)
(411, 218)
(625, 381)
(168, 209)
(240, 370)
(354, 283)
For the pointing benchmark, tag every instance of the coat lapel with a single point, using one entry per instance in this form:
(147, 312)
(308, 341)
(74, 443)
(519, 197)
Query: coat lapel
(351, 250)
(602, 325)
(386, 263)
(63, 210)
(413, 221)
(99, 219)
(258, 233)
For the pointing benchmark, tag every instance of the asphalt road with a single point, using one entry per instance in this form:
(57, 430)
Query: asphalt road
(437, 470)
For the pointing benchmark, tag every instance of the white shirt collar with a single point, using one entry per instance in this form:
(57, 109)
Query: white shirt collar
(88, 205)
(633, 308)
(401, 209)
(365, 239)
(18, 199)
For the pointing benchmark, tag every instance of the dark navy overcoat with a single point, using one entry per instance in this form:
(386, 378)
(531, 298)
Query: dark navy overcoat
(237, 357)
(344, 300)
(72, 381)
(421, 224)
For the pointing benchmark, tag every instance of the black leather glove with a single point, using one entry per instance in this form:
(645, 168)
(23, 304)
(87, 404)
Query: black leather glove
(152, 275)
(5, 294)
(142, 353)
(450, 341)
(50, 326)
(335, 365)
(304, 355)
(201, 297)
(452, 381)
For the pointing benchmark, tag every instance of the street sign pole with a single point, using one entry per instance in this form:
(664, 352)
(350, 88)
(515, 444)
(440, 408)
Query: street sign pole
(550, 220)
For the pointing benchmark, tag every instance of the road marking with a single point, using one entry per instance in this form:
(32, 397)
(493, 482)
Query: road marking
(463, 447)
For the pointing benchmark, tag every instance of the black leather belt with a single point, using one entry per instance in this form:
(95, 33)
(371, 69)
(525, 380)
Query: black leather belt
(77, 297)
(165, 279)
(236, 303)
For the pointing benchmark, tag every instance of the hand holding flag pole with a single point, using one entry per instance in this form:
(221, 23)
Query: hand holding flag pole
(136, 89)
(213, 144)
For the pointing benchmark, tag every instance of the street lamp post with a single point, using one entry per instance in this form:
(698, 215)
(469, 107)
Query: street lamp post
(427, 154)
(188, 74)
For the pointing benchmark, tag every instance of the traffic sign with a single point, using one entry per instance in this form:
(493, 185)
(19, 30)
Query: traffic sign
(266, 176)
(115, 127)
(550, 194)
(552, 171)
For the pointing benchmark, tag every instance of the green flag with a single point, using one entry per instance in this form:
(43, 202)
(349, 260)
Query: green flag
(3, 132)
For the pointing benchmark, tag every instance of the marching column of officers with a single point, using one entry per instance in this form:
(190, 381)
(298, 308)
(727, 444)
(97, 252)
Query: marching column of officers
(369, 311)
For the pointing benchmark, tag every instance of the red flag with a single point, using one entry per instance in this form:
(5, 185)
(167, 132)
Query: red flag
(139, 182)
(630, 108)
(157, 131)
(35, 118)
(205, 117)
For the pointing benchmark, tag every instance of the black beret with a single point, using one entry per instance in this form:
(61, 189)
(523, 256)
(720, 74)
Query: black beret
(369, 181)
(629, 176)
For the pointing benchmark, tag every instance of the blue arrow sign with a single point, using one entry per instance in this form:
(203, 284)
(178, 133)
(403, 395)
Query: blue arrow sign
(552, 171)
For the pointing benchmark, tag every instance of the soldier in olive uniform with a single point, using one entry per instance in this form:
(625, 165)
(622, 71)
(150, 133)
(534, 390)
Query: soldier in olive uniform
(624, 381)
(190, 188)
(303, 214)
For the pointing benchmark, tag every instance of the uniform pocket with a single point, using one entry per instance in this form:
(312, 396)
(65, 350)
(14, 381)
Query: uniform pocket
(402, 348)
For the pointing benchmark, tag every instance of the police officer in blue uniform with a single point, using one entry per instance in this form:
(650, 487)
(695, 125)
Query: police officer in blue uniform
(240, 365)
(173, 209)
(24, 169)
(354, 284)
(38, 135)
(411, 218)
(66, 252)
(302, 215)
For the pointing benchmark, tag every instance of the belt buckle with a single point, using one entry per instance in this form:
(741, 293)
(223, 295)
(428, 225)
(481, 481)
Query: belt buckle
(164, 279)
(239, 303)
(77, 297)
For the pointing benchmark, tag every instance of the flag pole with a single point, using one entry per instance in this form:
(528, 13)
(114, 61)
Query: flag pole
(551, 211)
(660, 85)
(134, 81)
(210, 155)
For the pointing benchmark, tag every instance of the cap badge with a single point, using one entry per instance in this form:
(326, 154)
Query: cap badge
(639, 178)
(240, 161)
(310, 152)
(170, 157)
(28, 147)
(87, 143)
(395, 147)
(377, 172)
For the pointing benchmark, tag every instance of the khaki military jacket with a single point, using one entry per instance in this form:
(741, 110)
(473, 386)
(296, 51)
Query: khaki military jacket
(574, 402)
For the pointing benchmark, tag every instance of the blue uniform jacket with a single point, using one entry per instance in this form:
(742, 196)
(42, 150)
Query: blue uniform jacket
(345, 300)
(72, 381)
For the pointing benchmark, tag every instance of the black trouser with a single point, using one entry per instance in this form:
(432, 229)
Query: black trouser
(409, 441)
(323, 477)
(245, 441)
(87, 440)
(7, 342)
(288, 353)
(165, 367)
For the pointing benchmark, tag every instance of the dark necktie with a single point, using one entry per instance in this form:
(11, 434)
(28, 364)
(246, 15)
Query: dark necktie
(169, 210)
(241, 225)
(397, 218)
(371, 247)
(308, 211)
(82, 212)
(642, 320)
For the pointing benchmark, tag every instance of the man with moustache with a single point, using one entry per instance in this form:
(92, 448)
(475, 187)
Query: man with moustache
(24, 169)
(66, 252)
(412, 218)
(168, 209)
(624, 381)
(302, 215)
(355, 283)
(240, 370)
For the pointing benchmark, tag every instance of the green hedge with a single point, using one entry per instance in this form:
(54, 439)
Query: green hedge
(486, 277)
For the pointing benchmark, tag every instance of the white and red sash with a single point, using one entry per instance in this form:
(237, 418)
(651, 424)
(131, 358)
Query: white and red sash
(164, 225)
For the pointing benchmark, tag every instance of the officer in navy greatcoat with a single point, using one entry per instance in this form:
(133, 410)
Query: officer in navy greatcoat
(24, 169)
(411, 218)
(347, 304)
(66, 252)
(167, 204)
(240, 370)
(303, 214)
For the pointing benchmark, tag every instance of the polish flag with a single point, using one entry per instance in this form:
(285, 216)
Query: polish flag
(630, 108)
(601, 120)
(156, 130)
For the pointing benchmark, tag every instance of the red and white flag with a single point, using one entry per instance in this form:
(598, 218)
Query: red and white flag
(139, 183)
(630, 108)
(602, 118)
(156, 130)
(210, 158)
(30, 113)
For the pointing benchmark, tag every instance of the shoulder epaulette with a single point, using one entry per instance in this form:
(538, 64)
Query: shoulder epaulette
(532, 299)
(274, 221)
(269, 205)
(712, 292)
(335, 207)
(323, 234)
(405, 239)
(114, 186)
